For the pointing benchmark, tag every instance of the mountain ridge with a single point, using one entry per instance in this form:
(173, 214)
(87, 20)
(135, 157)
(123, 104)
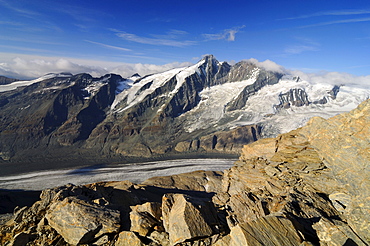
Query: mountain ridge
(209, 107)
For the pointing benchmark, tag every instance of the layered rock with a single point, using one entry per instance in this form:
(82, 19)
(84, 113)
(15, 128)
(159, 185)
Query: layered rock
(81, 222)
(306, 187)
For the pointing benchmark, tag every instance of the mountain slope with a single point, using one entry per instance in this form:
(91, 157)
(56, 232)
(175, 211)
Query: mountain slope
(209, 107)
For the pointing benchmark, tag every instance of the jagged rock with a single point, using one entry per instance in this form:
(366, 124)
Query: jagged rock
(224, 241)
(294, 97)
(343, 143)
(160, 238)
(81, 222)
(126, 238)
(183, 146)
(269, 230)
(186, 218)
(145, 217)
(336, 233)
(22, 239)
(230, 141)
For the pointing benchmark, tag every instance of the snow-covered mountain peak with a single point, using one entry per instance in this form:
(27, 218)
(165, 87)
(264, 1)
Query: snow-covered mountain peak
(209, 106)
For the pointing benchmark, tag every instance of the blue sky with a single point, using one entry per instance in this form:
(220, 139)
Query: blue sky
(301, 35)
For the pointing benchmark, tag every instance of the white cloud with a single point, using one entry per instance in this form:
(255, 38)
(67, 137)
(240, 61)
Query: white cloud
(335, 78)
(169, 39)
(227, 34)
(109, 46)
(30, 67)
(302, 45)
(268, 65)
(127, 69)
(337, 22)
(298, 49)
(331, 13)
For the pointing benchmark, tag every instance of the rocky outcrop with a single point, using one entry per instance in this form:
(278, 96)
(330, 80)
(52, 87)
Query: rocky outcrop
(298, 97)
(306, 187)
(187, 218)
(5, 80)
(78, 221)
(222, 141)
(344, 146)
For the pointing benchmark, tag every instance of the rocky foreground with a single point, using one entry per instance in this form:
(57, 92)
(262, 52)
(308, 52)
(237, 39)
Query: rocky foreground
(310, 186)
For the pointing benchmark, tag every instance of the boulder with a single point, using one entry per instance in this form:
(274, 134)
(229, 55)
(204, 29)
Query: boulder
(79, 221)
(269, 230)
(126, 238)
(336, 233)
(145, 217)
(186, 218)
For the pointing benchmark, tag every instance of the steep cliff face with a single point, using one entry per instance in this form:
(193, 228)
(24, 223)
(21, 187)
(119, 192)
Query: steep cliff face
(299, 188)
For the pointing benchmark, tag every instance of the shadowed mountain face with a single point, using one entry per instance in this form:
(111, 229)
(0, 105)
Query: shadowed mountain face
(210, 107)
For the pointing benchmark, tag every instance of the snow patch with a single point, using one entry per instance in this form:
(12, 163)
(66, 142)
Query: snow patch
(15, 85)
(213, 103)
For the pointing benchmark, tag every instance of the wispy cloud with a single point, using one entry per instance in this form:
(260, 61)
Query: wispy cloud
(21, 11)
(302, 45)
(169, 39)
(21, 48)
(338, 22)
(10, 23)
(109, 46)
(298, 49)
(343, 13)
(227, 34)
(331, 13)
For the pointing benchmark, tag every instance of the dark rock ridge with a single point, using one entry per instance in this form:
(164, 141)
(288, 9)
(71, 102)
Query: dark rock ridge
(298, 97)
(306, 187)
(5, 80)
(80, 118)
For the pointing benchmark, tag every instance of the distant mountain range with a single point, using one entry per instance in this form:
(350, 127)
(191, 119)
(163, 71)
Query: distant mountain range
(210, 107)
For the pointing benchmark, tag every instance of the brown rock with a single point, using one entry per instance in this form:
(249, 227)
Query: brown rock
(160, 238)
(336, 233)
(269, 230)
(343, 143)
(209, 181)
(79, 221)
(183, 146)
(144, 217)
(185, 218)
(128, 238)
